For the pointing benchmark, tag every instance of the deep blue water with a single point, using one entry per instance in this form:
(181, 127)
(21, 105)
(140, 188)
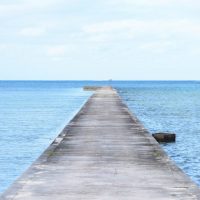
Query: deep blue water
(32, 113)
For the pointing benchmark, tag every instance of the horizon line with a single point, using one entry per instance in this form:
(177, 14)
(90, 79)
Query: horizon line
(109, 80)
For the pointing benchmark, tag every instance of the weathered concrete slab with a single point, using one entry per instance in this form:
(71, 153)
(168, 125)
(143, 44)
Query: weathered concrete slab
(103, 154)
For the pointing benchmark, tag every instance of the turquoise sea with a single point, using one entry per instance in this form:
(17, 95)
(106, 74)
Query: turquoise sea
(32, 113)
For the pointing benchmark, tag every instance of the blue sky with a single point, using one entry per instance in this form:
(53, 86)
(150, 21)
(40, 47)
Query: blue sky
(100, 40)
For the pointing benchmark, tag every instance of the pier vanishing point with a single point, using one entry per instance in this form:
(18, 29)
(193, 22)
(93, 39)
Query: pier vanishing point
(104, 153)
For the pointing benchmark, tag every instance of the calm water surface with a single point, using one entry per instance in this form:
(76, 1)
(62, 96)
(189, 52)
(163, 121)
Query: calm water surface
(171, 107)
(33, 113)
(31, 116)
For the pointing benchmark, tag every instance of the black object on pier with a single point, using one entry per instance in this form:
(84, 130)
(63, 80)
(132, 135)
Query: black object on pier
(165, 137)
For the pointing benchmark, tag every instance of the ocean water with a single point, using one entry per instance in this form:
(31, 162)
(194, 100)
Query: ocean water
(32, 113)
(31, 116)
(170, 107)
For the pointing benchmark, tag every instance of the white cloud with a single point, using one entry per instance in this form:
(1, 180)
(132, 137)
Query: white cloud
(60, 52)
(56, 51)
(10, 9)
(27, 6)
(32, 31)
(156, 2)
(3, 46)
(158, 46)
(144, 28)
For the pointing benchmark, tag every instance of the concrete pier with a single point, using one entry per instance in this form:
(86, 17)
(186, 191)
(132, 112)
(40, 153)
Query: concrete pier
(104, 153)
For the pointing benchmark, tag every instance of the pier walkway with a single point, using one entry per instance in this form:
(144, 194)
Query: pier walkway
(103, 154)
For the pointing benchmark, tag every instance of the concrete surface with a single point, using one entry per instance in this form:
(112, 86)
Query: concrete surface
(103, 154)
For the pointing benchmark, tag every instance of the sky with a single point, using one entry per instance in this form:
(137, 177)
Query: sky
(99, 40)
